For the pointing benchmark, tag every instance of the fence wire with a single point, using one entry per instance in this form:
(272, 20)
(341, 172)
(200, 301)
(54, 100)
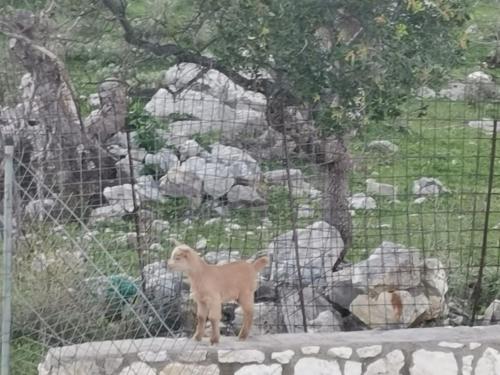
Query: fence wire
(404, 234)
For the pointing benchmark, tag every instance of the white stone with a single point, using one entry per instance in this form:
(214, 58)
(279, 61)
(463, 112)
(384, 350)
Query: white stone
(310, 350)
(420, 200)
(353, 368)
(192, 355)
(489, 363)
(164, 160)
(241, 356)
(362, 202)
(78, 367)
(343, 352)
(185, 369)
(390, 365)
(451, 345)
(369, 351)
(467, 364)
(274, 369)
(283, 357)
(315, 366)
(479, 77)
(383, 146)
(189, 149)
(111, 365)
(492, 313)
(121, 195)
(433, 363)
(150, 356)
(201, 244)
(377, 188)
(474, 345)
(138, 368)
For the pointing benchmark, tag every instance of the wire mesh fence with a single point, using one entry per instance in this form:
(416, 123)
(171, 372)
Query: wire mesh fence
(395, 225)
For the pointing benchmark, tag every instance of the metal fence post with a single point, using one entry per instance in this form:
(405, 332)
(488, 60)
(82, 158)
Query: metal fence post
(7, 261)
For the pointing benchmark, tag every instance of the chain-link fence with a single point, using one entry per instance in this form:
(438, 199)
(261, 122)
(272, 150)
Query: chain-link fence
(394, 225)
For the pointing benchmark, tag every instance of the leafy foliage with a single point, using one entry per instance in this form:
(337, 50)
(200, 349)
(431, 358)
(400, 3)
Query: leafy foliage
(344, 57)
(146, 127)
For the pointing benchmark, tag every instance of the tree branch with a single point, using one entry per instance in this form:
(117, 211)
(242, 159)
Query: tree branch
(264, 86)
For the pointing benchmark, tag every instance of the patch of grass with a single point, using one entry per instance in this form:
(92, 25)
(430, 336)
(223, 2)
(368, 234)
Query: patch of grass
(26, 353)
(145, 126)
(205, 140)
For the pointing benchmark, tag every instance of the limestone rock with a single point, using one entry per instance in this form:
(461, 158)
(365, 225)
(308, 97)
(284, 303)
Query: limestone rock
(122, 195)
(383, 146)
(178, 183)
(376, 188)
(434, 363)
(274, 369)
(241, 356)
(283, 357)
(177, 368)
(163, 160)
(489, 363)
(316, 366)
(492, 313)
(390, 365)
(138, 368)
(362, 202)
(393, 309)
(428, 186)
(244, 195)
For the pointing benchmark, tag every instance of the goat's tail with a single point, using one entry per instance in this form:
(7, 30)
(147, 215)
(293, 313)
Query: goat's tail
(260, 263)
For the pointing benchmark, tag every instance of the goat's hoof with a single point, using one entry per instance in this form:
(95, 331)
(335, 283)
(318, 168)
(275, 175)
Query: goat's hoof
(214, 341)
(242, 338)
(197, 337)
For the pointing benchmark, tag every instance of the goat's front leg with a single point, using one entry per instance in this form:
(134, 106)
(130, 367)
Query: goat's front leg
(215, 315)
(201, 317)
(246, 303)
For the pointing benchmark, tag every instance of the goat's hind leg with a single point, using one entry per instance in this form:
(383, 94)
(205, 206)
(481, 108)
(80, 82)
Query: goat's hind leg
(246, 303)
(215, 315)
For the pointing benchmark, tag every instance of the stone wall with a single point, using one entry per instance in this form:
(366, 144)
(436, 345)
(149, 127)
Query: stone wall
(440, 351)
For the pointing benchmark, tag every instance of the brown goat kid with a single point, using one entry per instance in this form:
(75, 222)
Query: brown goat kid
(212, 285)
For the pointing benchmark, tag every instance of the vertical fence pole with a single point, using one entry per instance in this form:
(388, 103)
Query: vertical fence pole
(476, 293)
(7, 261)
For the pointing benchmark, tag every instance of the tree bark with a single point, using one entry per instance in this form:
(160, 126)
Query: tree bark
(338, 164)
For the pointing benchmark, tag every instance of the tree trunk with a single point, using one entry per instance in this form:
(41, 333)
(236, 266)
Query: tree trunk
(338, 164)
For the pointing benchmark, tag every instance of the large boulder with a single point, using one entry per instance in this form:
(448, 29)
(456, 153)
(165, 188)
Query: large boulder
(178, 183)
(428, 186)
(214, 83)
(163, 160)
(319, 246)
(122, 195)
(240, 195)
(394, 287)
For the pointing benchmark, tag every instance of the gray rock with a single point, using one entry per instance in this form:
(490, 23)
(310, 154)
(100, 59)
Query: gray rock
(361, 201)
(486, 125)
(214, 83)
(305, 211)
(316, 366)
(241, 356)
(122, 195)
(273, 369)
(94, 101)
(164, 160)
(280, 177)
(429, 362)
(40, 209)
(319, 246)
(425, 92)
(396, 309)
(244, 172)
(137, 368)
(267, 319)
(326, 321)
(229, 154)
(178, 183)
(138, 154)
(189, 149)
(194, 164)
(383, 146)
(376, 188)
(390, 266)
(314, 305)
(428, 186)
(148, 189)
(492, 313)
(217, 179)
(159, 226)
(175, 368)
(391, 364)
(107, 212)
(117, 151)
(244, 195)
(123, 167)
(455, 91)
(489, 363)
